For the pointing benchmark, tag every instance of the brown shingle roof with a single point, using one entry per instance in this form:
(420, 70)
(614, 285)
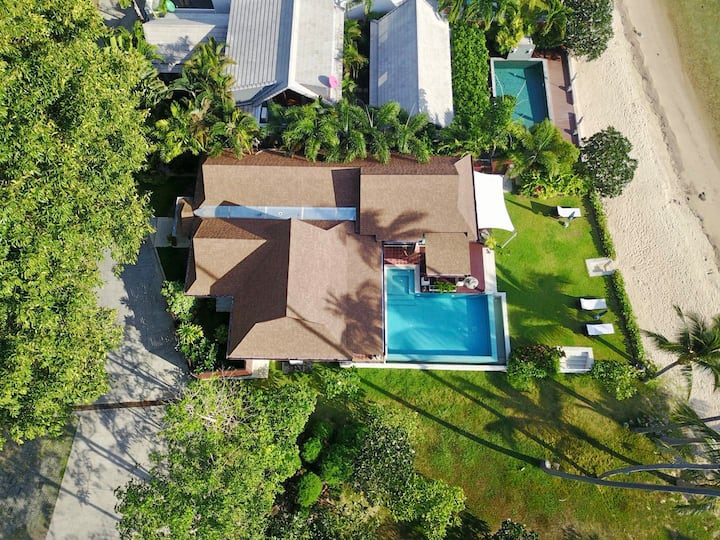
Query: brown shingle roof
(403, 207)
(300, 291)
(447, 254)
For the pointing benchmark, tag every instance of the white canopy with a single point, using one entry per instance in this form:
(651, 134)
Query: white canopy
(490, 202)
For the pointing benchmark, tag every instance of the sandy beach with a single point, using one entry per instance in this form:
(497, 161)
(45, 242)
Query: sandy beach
(666, 225)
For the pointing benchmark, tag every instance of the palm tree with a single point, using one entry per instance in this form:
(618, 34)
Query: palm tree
(353, 61)
(697, 343)
(543, 149)
(406, 136)
(352, 139)
(312, 128)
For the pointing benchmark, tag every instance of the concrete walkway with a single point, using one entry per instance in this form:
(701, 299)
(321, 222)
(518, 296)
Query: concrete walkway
(114, 439)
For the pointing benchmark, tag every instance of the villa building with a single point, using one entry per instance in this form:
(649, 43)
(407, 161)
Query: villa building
(317, 261)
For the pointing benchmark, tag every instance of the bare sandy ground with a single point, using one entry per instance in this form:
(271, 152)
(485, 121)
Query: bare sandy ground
(663, 231)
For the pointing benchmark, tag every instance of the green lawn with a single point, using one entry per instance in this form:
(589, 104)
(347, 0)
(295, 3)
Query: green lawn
(543, 272)
(478, 432)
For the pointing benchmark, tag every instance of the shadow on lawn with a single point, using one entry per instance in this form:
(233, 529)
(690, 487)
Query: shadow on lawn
(545, 415)
(530, 460)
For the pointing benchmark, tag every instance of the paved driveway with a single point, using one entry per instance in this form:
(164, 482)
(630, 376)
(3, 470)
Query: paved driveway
(113, 440)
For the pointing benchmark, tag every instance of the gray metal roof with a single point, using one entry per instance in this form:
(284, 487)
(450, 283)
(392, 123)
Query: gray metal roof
(176, 34)
(284, 44)
(410, 61)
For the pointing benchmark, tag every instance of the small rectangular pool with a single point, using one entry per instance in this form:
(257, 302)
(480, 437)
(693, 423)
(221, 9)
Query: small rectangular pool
(527, 81)
(440, 327)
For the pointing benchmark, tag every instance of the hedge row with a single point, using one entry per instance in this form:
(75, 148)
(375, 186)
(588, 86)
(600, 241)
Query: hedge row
(617, 288)
(470, 61)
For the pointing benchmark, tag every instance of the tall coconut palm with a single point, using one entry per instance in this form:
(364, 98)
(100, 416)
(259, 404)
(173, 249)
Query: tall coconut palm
(697, 343)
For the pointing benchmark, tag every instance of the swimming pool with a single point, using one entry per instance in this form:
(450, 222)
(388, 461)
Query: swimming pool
(440, 327)
(525, 79)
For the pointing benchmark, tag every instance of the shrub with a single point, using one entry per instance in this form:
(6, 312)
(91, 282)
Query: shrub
(532, 362)
(589, 27)
(542, 186)
(311, 450)
(337, 383)
(511, 530)
(180, 305)
(323, 430)
(337, 464)
(309, 489)
(470, 61)
(221, 333)
(432, 504)
(618, 377)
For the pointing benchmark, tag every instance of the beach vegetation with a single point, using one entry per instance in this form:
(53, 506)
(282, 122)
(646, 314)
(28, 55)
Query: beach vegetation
(589, 27)
(618, 377)
(605, 161)
(696, 344)
(73, 135)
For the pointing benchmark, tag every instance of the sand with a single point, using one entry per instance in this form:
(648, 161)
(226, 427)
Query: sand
(663, 232)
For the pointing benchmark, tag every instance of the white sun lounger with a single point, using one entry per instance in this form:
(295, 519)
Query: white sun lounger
(566, 212)
(590, 304)
(600, 329)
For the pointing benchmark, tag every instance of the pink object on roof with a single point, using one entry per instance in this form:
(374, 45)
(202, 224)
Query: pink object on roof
(333, 82)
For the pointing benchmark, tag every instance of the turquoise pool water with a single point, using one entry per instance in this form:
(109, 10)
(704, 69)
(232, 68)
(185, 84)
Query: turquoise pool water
(439, 327)
(526, 80)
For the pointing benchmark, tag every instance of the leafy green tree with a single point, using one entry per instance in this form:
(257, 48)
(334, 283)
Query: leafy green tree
(542, 148)
(230, 447)
(72, 138)
(552, 27)
(605, 160)
(470, 62)
(353, 60)
(589, 27)
(697, 343)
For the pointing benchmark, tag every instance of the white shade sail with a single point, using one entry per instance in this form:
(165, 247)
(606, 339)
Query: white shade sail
(490, 202)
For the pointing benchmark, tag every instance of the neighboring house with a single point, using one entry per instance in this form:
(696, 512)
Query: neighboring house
(290, 50)
(410, 61)
(298, 246)
(177, 34)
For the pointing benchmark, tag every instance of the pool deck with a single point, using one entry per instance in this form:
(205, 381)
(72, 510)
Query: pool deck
(561, 95)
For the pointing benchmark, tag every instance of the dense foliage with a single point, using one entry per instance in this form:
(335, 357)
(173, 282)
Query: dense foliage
(589, 27)
(511, 530)
(230, 447)
(470, 63)
(617, 376)
(531, 362)
(72, 137)
(201, 118)
(344, 132)
(606, 161)
(542, 154)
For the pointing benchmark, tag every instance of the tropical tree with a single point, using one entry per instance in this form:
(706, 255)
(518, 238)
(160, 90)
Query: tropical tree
(605, 161)
(312, 129)
(353, 60)
(697, 343)
(552, 24)
(543, 149)
(352, 144)
(589, 27)
(204, 119)
(407, 136)
(73, 136)
(229, 448)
